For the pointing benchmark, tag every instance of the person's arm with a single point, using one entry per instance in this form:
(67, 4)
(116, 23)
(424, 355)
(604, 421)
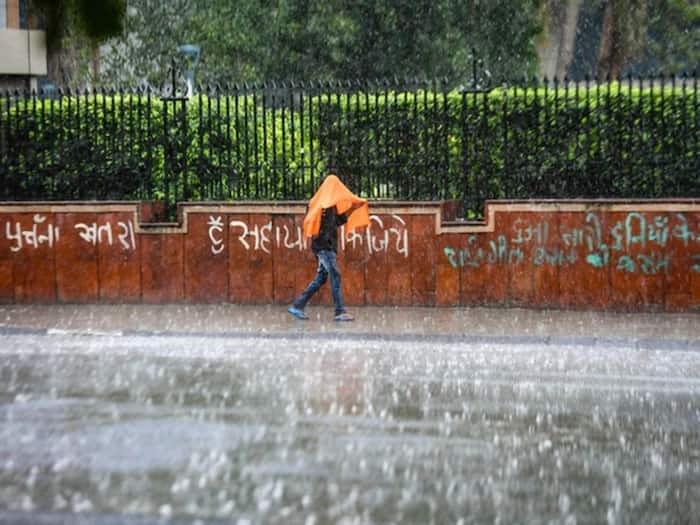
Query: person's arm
(355, 205)
(342, 218)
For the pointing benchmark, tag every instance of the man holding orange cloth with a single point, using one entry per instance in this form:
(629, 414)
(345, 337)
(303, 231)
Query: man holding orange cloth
(332, 206)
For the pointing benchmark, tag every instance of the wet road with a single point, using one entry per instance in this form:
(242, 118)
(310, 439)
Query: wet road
(224, 415)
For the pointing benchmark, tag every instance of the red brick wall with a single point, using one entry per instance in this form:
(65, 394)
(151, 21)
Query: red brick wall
(626, 255)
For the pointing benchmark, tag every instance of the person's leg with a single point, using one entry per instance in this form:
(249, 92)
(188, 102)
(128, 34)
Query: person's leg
(331, 262)
(313, 286)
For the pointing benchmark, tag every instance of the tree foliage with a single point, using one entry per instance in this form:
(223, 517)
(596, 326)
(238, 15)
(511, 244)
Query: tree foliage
(259, 40)
(254, 40)
(620, 37)
(73, 30)
(674, 36)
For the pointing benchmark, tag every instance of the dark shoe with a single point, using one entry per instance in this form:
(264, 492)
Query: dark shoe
(344, 317)
(298, 313)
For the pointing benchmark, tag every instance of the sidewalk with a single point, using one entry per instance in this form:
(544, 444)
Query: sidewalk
(371, 322)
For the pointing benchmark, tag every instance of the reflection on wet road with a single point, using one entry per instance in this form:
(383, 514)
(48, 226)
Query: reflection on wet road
(136, 429)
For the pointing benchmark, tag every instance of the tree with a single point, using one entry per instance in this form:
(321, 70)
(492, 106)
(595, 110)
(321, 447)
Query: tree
(623, 35)
(256, 40)
(74, 25)
(673, 37)
(617, 37)
(557, 40)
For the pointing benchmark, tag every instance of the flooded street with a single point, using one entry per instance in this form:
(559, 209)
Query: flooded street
(327, 424)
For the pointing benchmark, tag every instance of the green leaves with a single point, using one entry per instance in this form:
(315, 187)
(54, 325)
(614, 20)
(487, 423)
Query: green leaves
(249, 40)
(617, 140)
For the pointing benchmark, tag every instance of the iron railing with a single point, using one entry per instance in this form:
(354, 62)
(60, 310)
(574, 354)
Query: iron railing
(388, 139)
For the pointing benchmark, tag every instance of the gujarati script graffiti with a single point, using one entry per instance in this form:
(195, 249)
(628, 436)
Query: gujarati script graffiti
(44, 233)
(382, 235)
(636, 244)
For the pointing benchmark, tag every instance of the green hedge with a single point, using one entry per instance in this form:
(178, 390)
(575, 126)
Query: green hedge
(614, 140)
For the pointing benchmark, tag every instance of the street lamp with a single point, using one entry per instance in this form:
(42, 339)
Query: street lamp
(191, 53)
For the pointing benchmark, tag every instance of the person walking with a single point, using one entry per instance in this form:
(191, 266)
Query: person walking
(331, 207)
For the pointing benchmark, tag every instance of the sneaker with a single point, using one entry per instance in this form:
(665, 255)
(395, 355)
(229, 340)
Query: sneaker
(298, 313)
(344, 317)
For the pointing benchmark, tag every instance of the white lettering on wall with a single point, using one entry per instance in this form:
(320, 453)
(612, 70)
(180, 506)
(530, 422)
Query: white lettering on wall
(94, 234)
(382, 235)
(216, 227)
(31, 237)
(260, 235)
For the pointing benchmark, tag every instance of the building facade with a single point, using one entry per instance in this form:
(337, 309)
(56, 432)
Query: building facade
(22, 47)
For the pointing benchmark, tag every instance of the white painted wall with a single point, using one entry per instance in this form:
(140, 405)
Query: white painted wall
(22, 52)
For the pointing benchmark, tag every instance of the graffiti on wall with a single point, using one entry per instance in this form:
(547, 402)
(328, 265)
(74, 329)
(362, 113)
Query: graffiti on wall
(635, 244)
(382, 235)
(46, 233)
(99, 234)
(38, 234)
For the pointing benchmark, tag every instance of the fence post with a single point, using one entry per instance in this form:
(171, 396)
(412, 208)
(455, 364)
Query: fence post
(175, 148)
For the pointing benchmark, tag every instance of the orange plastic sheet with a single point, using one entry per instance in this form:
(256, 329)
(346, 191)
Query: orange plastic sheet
(333, 192)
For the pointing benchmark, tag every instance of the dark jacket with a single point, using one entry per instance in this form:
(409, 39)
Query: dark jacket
(327, 238)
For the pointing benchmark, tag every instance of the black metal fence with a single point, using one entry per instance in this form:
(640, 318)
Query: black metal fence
(388, 139)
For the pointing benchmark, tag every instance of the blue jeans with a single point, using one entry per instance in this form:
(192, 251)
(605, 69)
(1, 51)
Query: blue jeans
(327, 265)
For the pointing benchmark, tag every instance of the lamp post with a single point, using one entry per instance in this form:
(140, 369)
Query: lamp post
(191, 53)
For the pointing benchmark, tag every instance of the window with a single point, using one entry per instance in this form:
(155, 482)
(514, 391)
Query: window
(23, 14)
